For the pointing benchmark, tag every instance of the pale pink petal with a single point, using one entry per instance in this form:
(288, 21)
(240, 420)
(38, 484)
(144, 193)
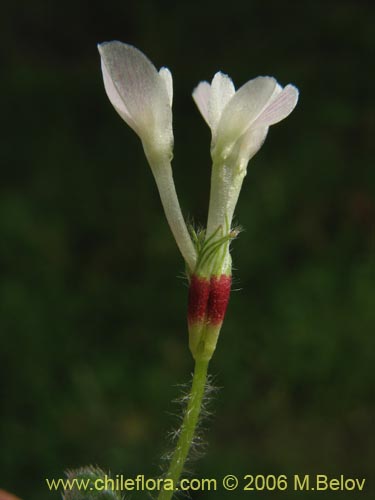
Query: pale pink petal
(116, 100)
(140, 87)
(277, 91)
(243, 109)
(251, 142)
(278, 108)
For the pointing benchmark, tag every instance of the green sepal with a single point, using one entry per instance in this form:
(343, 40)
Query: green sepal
(202, 340)
(212, 252)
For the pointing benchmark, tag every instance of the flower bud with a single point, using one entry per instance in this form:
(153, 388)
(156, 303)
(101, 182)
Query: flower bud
(89, 483)
(141, 95)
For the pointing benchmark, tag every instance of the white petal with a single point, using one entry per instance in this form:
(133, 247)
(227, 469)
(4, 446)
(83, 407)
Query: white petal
(251, 143)
(201, 96)
(222, 90)
(279, 107)
(139, 86)
(277, 91)
(166, 76)
(243, 109)
(116, 100)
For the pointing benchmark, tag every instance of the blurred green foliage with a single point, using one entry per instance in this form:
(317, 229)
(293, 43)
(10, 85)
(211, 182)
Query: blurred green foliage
(92, 317)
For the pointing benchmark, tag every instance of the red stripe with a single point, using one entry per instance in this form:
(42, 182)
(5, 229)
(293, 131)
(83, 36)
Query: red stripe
(208, 299)
(218, 299)
(198, 297)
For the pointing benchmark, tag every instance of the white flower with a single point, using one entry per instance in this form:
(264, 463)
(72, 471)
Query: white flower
(239, 120)
(141, 95)
(239, 123)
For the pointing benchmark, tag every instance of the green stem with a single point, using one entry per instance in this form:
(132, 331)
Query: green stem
(188, 427)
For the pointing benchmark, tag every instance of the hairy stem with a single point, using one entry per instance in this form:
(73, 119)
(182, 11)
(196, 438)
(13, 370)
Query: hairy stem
(188, 427)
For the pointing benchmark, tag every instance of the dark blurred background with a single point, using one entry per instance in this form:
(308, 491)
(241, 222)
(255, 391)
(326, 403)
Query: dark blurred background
(92, 299)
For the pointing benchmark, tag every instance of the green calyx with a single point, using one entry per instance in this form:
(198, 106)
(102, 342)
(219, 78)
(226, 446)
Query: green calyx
(213, 252)
(202, 341)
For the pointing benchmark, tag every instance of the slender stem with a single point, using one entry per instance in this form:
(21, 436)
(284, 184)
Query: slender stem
(164, 180)
(188, 427)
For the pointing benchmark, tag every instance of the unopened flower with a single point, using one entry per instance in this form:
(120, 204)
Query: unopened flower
(141, 95)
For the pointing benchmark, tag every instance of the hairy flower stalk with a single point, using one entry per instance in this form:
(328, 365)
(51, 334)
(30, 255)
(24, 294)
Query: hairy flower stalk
(239, 122)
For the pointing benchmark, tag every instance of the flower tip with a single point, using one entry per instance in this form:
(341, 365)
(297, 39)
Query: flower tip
(104, 46)
(289, 98)
(101, 45)
(294, 91)
(221, 75)
(166, 77)
(122, 49)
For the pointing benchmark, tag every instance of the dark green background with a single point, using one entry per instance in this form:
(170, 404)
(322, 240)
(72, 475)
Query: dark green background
(92, 304)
